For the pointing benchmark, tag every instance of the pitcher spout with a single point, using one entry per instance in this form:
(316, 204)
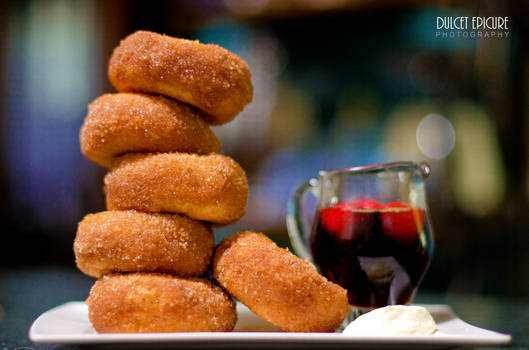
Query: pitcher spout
(424, 169)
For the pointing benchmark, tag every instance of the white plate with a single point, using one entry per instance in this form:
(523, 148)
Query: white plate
(68, 324)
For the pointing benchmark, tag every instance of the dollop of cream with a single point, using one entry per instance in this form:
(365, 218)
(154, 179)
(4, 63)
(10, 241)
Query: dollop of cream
(393, 320)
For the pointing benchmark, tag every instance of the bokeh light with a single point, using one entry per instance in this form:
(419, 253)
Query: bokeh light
(478, 173)
(435, 136)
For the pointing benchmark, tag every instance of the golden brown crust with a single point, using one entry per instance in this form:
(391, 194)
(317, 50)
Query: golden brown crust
(132, 241)
(206, 76)
(125, 122)
(277, 285)
(145, 303)
(210, 187)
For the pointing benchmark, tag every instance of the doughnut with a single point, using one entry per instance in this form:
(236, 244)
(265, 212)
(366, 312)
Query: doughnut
(150, 302)
(208, 77)
(277, 285)
(127, 122)
(210, 188)
(132, 241)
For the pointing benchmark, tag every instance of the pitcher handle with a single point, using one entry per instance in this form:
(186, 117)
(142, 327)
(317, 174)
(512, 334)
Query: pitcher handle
(295, 220)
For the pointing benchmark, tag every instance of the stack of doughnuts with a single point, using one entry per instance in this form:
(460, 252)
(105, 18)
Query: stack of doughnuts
(166, 186)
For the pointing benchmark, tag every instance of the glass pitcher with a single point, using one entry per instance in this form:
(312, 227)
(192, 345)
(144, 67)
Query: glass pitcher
(369, 231)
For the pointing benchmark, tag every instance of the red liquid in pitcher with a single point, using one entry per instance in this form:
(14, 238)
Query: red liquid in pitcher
(377, 252)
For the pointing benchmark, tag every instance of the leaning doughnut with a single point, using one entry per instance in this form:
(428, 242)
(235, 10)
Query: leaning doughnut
(206, 76)
(121, 123)
(210, 187)
(145, 302)
(277, 285)
(132, 241)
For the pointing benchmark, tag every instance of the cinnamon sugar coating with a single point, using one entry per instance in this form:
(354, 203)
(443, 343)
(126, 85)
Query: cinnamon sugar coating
(277, 285)
(127, 122)
(132, 241)
(206, 76)
(210, 188)
(148, 302)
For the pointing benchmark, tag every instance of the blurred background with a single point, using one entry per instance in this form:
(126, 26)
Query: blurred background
(338, 83)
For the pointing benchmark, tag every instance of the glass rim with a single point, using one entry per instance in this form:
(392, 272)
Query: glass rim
(422, 167)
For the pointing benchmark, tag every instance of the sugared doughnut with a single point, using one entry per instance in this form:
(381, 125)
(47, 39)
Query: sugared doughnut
(125, 122)
(210, 187)
(206, 76)
(132, 241)
(277, 285)
(145, 303)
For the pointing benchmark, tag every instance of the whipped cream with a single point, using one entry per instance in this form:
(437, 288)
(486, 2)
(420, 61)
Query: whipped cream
(393, 320)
